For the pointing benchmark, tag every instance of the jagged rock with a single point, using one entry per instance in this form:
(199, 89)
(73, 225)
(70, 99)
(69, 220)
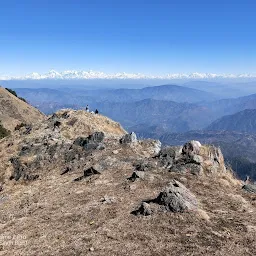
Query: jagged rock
(92, 171)
(250, 188)
(96, 169)
(19, 171)
(137, 175)
(192, 148)
(168, 155)
(93, 141)
(128, 138)
(176, 198)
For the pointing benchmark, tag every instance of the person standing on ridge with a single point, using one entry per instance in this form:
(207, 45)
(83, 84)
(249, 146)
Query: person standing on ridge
(87, 108)
(96, 111)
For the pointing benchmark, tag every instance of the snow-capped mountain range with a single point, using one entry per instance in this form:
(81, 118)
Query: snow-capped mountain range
(74, 74)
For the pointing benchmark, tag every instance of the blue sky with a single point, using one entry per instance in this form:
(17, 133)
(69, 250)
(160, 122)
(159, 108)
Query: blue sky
(151, 37)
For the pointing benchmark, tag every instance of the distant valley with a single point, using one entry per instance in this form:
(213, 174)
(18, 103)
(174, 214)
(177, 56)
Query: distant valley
(173, 114)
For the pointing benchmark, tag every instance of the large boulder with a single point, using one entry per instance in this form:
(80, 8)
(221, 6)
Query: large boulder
(128, 138)
(177, 198)
(192, 148)
(93, 141)
(174, 198)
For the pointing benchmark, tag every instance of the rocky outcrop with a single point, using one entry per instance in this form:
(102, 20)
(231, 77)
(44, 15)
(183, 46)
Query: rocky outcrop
(93, 141)
(193, 158)
(128, 138)
(174, 198)
(251, 188)
(191, 148)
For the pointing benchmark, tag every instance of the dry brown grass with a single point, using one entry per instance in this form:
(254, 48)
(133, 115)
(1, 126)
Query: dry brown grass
(56, 216)
(14, 111)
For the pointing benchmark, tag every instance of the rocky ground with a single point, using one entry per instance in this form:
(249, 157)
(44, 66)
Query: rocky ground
(78, 184)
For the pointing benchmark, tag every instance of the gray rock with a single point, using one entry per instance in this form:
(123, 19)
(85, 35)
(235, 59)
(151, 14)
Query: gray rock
(174, 198)
(18, 169)
(143, 166)
(157, 147)
(96, 169)
(144, 210)
(177, 198)
(128, 138)
(191, 148)
(195, 169)
(108, 200)
(168, 155)
(137, 175)
(251, 188)
(93, 141)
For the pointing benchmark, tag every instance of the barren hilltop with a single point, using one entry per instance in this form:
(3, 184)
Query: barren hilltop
(77, 183)
(14, 111)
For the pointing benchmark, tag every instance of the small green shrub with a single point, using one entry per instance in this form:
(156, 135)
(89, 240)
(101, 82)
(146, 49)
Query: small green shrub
(3, 132)
(12, 92)
(15, 94)
(22, 99)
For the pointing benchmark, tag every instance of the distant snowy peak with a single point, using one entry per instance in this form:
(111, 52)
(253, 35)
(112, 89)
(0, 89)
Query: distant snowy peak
(74, 74)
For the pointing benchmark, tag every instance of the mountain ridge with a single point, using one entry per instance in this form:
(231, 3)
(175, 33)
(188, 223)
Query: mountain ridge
(243, 121)
(14, 111)
(76, 183)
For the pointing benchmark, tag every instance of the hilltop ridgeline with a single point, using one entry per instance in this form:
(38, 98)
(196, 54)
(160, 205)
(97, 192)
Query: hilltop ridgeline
(78, 183)
(15, 111)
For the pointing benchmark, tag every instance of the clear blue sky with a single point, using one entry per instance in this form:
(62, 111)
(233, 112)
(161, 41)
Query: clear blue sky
(150, 36)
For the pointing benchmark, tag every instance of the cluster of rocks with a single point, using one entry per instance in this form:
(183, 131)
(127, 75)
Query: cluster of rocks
(193, 158)
(93, 141)
(50, 149)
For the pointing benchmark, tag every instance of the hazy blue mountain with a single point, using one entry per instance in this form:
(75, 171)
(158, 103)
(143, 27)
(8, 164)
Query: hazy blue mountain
(161, 114)
(164, 92)
(146, 110)
(231, 106)
(224, 89)
(243, 121)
